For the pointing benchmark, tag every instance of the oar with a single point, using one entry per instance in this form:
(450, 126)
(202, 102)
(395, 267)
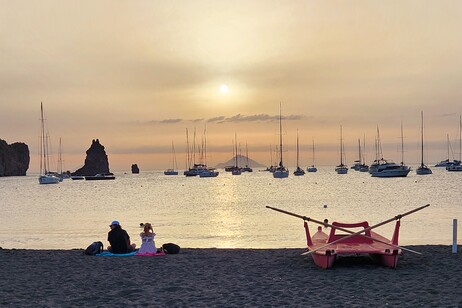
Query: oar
(366, 229)
(344, 230)
(351, 232)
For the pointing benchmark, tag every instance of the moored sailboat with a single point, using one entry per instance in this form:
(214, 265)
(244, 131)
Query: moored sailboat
(422, 169)
(173, 170)
(45, 176)
(457, 166)
(312, 168)
(281, 171)
(342, 168)
(384, 169)
(299, 171)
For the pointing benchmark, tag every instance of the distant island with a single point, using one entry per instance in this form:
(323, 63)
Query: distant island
(14, 159)
(242, 161)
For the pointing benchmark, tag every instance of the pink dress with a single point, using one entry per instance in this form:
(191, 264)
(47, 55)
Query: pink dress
(147, 243)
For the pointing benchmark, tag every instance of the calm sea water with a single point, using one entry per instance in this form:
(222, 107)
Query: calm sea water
(226, 211)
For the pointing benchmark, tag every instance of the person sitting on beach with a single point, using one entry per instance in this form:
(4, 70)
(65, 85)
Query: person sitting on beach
(147, 240)
(119, 239)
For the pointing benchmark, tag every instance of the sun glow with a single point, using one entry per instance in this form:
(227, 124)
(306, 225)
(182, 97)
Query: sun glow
(224, 89)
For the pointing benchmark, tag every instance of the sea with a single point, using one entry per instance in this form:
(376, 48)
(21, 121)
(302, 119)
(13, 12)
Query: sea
(226, 211)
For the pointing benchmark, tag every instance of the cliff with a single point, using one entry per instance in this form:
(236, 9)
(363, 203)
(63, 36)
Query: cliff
(14, 159)
(95, 162)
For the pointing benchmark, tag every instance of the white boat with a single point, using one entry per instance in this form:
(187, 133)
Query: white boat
(281, 171)
(359, 164)
(46, 177)
(209, 173)
(100, 177)
(422, 169)
(299, 171)
(387, 169)
(172, 171)
(342, 168)
(312, 168)
(446, 163)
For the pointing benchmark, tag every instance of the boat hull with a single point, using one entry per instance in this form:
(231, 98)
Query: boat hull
(379, 248)
(49, 179)
(278, 174)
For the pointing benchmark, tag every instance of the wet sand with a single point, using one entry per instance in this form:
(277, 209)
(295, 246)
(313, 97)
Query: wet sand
(228, 278)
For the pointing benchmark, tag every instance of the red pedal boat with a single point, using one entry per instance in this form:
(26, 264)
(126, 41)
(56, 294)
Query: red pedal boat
(342, 240)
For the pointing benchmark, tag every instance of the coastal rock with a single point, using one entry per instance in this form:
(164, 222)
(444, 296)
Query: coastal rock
(14, 159)
(135, 169)
(95, 162)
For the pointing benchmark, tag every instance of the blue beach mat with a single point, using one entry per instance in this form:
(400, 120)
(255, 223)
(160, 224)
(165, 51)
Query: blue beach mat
(110, 254)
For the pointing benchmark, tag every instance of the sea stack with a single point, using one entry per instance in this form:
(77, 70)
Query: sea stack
(135, 169)
(14, 159)
(95, 162)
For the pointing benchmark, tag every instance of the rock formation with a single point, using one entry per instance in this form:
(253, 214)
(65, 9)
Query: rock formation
(135, 169)
(95, 162)
(14, 159)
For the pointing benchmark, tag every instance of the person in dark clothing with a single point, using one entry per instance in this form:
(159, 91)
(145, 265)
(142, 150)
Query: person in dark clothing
(119, 239)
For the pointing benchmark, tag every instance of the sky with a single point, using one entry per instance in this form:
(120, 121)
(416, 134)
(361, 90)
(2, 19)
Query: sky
(137, 74)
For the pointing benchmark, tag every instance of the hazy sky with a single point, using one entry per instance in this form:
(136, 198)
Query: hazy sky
(136, 74)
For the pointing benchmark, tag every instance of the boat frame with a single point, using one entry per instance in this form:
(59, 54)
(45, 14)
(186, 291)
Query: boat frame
(325, 248)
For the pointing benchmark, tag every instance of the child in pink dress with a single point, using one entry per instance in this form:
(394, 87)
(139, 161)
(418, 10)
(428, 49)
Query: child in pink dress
(147, 240)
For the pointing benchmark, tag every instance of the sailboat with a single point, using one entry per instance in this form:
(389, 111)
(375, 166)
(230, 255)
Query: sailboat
(341, 169)
(422, 169)
(236, 170)
(281, 171)
(383, 168)
(247, 168)
(359, 164)
(62, 175)
(299, 171)
(172, 171)
(447, 162)
(457, 164)
(312, 168)
(45, 176)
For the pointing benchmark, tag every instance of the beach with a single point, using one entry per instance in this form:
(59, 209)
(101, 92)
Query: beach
(228, 278)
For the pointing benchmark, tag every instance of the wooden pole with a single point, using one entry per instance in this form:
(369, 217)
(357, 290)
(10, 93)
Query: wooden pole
(454, 235)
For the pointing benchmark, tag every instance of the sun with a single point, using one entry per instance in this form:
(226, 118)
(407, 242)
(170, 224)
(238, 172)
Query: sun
(224, 89)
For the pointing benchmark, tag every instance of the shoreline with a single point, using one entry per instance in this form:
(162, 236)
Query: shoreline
(228, 277)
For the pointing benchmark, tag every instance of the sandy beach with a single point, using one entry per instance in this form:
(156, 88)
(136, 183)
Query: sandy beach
(227, 278)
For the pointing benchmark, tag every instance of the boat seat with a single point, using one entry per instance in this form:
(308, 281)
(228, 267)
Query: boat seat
(336, 234)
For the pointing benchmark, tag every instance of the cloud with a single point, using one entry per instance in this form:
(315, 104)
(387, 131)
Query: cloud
(238, 118)
(258, 118)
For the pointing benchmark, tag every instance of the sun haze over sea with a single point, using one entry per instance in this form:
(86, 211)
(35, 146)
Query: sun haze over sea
(136, 75)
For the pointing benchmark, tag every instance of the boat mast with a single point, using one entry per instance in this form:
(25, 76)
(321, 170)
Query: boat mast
(460, 138)
(341, 147)
(60, 158)
(422, 141)
(235, 151)
(313, 154)
(280, 135)
(247, 154)
(298, 165)
(42, 142)
(402, 145)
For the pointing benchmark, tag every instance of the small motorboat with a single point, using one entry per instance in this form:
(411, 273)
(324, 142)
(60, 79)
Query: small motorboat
(100, 176)
(325, 248)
